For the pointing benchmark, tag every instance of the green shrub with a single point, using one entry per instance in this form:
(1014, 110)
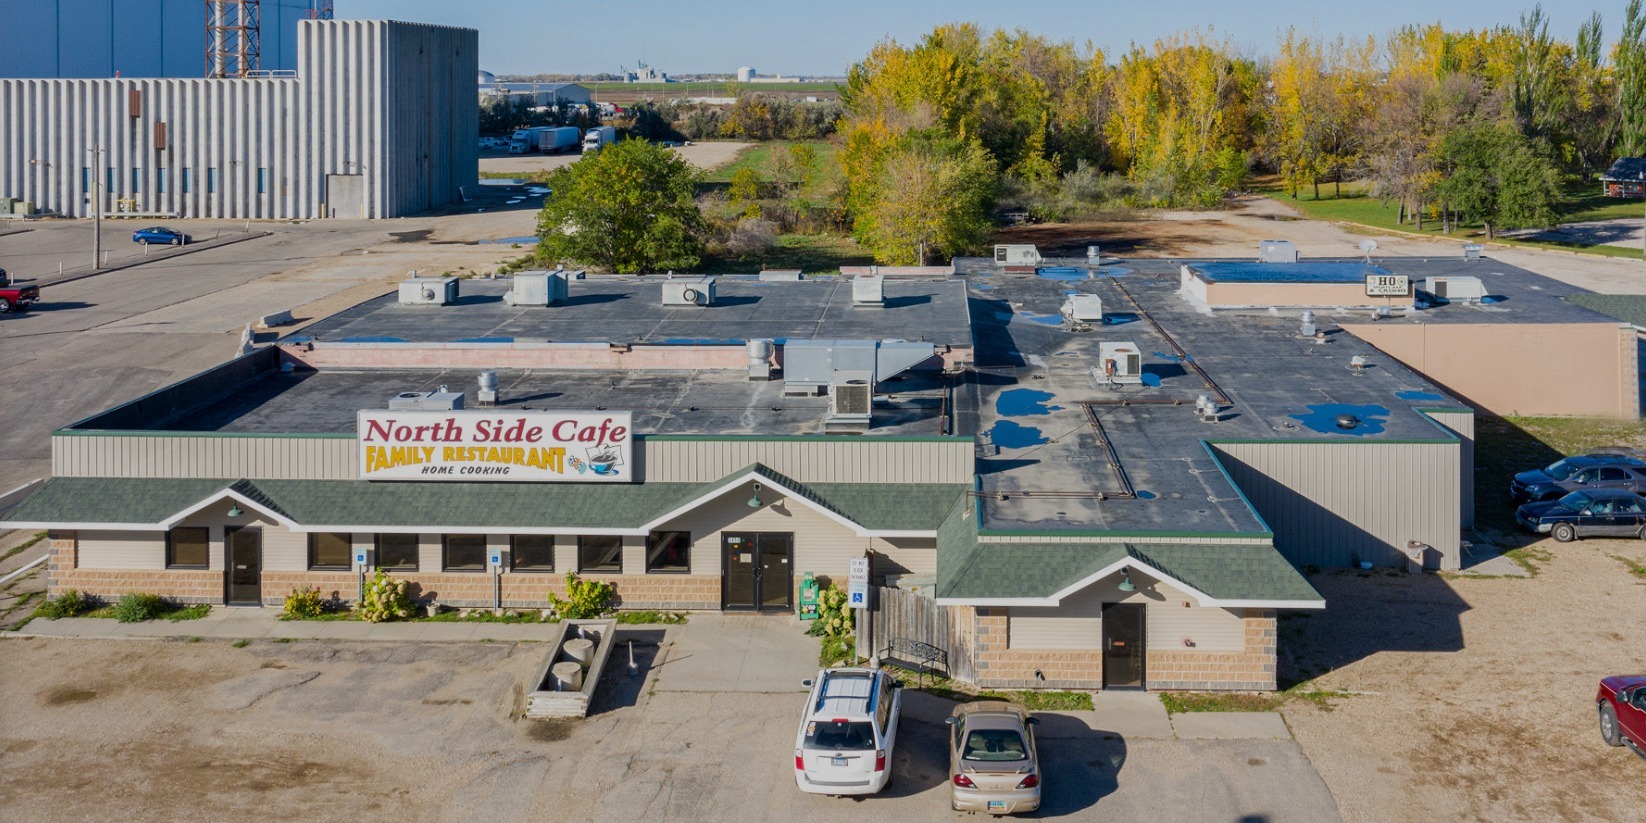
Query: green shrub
(304, 602)
(70, 603)
(136, 607)
(386, 599)
(585, 599)
(834, 619)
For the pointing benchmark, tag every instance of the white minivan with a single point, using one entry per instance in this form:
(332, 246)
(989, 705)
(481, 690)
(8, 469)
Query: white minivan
(847, 732)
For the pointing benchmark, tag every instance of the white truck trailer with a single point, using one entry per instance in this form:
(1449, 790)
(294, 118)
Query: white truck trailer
(598, 138)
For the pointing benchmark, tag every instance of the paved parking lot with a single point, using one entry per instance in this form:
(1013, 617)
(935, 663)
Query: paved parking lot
(702, 730)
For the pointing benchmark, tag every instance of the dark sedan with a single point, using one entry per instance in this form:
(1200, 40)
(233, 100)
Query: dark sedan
(1583, 471)
(1588, 513)
(160, 235)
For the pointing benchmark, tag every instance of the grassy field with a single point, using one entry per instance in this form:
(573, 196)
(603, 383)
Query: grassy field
(758, 156)
(810, 253)
(1355, 206)
(1506, 445)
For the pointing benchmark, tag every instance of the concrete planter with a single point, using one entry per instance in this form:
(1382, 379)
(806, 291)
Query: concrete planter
(558, 690)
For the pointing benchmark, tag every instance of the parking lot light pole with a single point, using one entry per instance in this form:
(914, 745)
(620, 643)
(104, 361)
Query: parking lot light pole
(96, 209)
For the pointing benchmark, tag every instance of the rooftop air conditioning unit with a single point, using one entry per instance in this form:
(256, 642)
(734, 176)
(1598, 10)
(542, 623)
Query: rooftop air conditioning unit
(1083, 308)
(851, 404)
(1472, 251)
(1276, 251)
(441, 400)
(1016, 254)
(688, 291)
(537, 288)
(428, 291)
(1462, 288)
(868, 291)
(1118, 363)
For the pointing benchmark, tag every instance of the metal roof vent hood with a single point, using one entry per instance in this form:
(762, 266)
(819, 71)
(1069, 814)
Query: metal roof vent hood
(688, 291)
(811, 365)
(441, 399)
(868, 291)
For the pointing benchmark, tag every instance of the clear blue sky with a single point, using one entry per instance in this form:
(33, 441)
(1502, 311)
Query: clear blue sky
(827, 36)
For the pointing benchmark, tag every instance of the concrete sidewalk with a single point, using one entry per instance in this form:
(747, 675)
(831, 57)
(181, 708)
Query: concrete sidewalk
(264, 624)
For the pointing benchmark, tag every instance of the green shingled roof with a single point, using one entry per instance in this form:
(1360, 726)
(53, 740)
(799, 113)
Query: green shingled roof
(1629, 308)
(971, 570)
(876, 507)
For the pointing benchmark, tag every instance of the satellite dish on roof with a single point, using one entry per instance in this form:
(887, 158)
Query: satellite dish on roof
(1368, 246)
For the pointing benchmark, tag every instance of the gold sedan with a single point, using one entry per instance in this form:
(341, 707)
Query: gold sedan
(993, 767)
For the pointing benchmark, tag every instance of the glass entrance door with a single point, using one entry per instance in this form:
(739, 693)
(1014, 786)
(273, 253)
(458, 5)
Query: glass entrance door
(245, 560)
(758, 570)
(1123, 665)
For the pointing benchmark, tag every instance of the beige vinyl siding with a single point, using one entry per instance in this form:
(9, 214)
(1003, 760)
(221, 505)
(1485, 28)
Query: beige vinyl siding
(1075, 624)
(811, 460)
(228, 457)
(821, 545)
(904, 555)
(428, 553)
(1212, 630)
(284, 550)
(1330, 503)
(122, 550)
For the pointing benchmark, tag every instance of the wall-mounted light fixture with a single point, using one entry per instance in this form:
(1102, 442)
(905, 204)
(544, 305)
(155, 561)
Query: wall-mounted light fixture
(234, 510)
(754, 502)
(1126, 584)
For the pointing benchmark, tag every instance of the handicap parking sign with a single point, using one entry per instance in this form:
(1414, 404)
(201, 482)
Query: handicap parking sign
(857, 596)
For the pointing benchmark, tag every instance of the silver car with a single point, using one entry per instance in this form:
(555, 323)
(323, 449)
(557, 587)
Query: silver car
(993, 766)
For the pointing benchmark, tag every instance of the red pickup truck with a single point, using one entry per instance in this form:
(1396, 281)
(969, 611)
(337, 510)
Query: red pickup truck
(14, 296)
(1621, 702)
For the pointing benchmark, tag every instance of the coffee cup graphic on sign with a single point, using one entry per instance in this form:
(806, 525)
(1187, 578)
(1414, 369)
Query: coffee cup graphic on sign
(604, 460)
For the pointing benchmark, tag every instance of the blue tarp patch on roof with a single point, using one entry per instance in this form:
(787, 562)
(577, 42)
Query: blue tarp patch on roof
(1287, 272)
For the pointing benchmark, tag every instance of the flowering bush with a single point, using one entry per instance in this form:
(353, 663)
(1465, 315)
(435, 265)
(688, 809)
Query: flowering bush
(834, 619)
(303, 603)
(385, 599)
(71, 603)
(584, 598)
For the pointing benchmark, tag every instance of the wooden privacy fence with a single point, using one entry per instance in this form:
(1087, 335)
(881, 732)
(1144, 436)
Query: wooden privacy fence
(911, 630)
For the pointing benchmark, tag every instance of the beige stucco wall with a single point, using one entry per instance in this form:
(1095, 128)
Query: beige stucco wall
(1581, 369)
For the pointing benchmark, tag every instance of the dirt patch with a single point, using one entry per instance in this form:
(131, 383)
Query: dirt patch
(549, 731)
(64, 697)
(1473, 698)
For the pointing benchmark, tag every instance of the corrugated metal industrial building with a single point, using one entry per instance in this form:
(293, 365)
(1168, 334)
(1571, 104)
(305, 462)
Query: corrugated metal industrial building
(132, 38)
(380, 121)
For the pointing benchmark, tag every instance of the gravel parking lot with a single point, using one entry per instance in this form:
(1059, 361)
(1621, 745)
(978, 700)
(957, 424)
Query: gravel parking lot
(379, 731)
(1476, 695)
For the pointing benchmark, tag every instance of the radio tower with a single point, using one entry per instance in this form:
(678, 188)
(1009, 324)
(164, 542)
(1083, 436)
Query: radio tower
(232, 41)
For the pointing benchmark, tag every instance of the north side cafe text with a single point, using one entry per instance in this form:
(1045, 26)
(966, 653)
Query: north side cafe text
(525, 446)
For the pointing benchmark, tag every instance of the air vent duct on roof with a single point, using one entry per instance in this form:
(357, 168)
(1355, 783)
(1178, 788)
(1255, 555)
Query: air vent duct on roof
(1463, 288)
(441, 400)
(868, 292)
(688, 291)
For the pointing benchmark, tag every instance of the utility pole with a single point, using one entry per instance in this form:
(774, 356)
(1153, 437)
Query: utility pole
(96, 207)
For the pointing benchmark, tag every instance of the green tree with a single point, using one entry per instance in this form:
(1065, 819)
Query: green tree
(931, 198)
(627, 208)
(1629, 66)
(744, 191)
(1492, 173)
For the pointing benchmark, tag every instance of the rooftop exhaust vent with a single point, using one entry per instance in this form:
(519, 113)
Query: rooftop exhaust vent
(1083, 308)
(1472, 251)
(1464, 288)
(688, 291)
(538, 288)
(1276, 251)
(428, 291)
(486, 396)
(1118, 364)
(440, 400)
(869, 291)
(851, 404)
(760, 359)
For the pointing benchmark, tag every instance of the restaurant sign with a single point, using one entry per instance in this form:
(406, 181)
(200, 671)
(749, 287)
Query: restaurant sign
(497, 446)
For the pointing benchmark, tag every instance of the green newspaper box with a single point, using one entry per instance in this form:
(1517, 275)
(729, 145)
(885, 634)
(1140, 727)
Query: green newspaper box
(808, 597)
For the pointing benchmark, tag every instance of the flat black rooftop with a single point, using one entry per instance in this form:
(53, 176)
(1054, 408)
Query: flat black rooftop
(629, 309)
(1037, 399)
(663, 402)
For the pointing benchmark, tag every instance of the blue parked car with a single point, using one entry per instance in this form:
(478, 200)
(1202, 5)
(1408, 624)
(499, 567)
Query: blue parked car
(161, 235)
(1590, 513)
(1583, 471)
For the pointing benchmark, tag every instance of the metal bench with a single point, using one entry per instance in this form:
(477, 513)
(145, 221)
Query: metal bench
(925, 656)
